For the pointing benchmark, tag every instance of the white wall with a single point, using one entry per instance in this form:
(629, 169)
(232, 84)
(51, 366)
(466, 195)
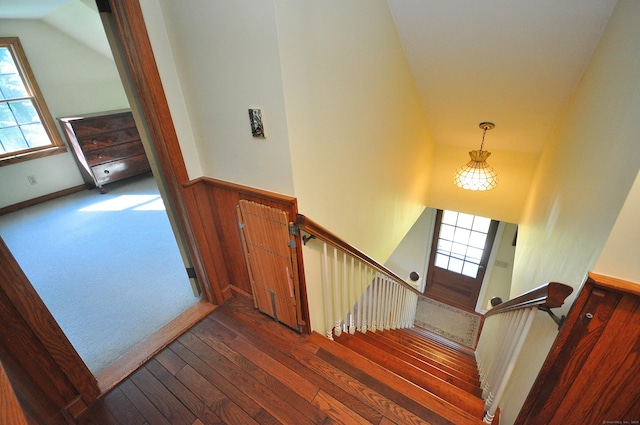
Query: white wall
(225, 56)
(412, 253)
(360, 146)
(74, 79)
(584, 176)
(619, 257)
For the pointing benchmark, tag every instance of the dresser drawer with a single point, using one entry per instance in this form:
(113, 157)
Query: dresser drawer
(116, 170)
(97, 141)
(102, 124)
(112, 153)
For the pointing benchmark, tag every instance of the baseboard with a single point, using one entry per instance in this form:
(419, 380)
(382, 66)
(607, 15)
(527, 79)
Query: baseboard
(41, 199)
(117, 371)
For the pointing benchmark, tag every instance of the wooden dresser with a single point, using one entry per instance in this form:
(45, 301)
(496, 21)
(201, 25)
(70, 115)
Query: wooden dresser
(106, 146)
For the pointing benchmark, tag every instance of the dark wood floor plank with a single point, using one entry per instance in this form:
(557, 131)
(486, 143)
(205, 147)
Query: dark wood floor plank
(268, 378)
(226, 409)
(146, 408)
(188, 398)
(280, 353)
(122, 409)
(337, 411)
(276, 406)
(170, 361)
(224, 398)
(262, 360)
(352, 385)
(164, 400)
(238, 366)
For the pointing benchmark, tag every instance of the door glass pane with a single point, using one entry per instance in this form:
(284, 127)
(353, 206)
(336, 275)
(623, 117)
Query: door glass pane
(477, 239)
(446, 232)
(461, 235)
(470, 270)
(465, 220)
(459, 247)
(442, 261)
(481, 224)
(455, 265)
(458, 250)
(444, 247)
(449, 217)
(474, 255)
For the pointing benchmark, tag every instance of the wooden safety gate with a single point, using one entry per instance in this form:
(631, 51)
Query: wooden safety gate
(270, 254)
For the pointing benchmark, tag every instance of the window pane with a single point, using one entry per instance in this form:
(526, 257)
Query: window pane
(481, 224)
(6, 116)
(6, 62)
(477, 239)
(24, 112)
(11, 140)
(446, 232)
(442, 261)
(36, 135)
(11, 87)
(461, 236)
(449, 217)
(465, 220)
(455, 265)
(470, 269)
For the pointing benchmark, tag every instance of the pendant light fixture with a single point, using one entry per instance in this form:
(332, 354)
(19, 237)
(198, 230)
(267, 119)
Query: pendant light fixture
(477, 174)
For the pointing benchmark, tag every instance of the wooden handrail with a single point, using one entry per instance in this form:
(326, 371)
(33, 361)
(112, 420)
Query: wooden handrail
(550, 295)
(313, 228)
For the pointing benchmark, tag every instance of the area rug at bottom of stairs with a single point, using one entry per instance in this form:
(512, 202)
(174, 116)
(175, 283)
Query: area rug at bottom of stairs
(447, 321)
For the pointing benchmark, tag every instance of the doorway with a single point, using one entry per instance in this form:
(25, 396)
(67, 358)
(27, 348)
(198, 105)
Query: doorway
(460, 252)
(89, 256)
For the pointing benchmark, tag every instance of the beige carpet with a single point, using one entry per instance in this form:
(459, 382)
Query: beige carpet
(447, 321)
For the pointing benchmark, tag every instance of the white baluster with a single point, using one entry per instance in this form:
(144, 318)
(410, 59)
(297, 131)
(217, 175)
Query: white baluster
(336, 294)
(529, 316)
(327, 292)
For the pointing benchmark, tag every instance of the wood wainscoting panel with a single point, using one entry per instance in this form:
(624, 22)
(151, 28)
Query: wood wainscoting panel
(592, 373)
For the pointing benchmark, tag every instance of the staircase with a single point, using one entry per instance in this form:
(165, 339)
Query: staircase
(434, 372)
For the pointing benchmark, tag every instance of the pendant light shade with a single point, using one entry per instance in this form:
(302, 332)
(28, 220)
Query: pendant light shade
(477, 174)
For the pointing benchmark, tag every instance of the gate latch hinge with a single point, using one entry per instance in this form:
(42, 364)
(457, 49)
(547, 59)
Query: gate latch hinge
(294, 229)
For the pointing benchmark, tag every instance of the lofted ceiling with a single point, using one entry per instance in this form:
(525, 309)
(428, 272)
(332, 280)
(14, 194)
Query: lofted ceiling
(512, 62)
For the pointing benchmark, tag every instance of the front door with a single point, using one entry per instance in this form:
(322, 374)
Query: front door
(459, 254)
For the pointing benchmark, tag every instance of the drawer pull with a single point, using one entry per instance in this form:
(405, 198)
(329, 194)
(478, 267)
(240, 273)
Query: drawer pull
(94, 141)
(100, 155)
(106, 171)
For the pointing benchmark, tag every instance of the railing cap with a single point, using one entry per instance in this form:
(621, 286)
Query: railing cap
(549, 295)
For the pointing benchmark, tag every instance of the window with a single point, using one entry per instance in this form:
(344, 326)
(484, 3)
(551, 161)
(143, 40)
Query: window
(461, 242)
(27, 130)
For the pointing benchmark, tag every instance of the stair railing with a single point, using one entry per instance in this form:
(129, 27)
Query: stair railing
(359, 293)
(503, 334)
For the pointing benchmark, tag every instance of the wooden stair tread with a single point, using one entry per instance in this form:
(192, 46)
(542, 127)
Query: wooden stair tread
(428, 365)
(451, 360)
(438, 405)
(427, 335)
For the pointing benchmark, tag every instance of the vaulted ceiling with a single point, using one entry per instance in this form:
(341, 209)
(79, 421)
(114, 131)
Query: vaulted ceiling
(513, 62)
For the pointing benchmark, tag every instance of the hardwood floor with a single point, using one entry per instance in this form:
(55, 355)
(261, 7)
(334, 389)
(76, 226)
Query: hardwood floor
(238, 366)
